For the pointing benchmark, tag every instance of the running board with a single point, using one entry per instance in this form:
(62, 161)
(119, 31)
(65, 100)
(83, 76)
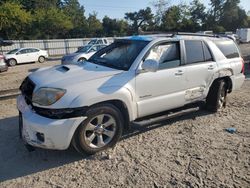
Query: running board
(168, 115)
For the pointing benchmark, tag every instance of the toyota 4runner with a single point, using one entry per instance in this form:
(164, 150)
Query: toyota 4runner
(89, 104)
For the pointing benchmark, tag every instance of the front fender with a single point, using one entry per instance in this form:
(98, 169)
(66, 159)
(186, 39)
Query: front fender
(106, 94)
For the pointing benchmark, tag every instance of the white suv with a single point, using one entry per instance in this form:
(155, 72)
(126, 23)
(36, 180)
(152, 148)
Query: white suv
(90, 104)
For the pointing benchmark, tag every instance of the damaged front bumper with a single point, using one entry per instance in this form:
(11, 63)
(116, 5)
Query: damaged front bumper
(43, 132)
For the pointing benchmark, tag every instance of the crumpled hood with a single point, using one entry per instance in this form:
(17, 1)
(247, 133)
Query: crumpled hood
(62, 76)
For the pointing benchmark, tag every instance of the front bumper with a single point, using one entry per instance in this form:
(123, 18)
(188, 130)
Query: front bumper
(56, 133)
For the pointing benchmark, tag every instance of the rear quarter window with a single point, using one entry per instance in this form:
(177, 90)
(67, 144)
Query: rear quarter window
(228, 48)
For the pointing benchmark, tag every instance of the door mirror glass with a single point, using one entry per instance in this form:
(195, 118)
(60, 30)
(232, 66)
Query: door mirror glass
(150, 65)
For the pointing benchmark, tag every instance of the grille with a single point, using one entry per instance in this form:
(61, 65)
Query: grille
(27, 87)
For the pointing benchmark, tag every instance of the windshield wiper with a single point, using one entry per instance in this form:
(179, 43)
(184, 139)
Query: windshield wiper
(104, 62)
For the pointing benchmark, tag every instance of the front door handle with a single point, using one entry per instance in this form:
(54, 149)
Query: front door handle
(179, 73)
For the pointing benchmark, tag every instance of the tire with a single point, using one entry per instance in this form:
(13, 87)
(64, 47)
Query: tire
(41, 59)
(217, 96)
(12, 62)
(101, 130)
(81, 59)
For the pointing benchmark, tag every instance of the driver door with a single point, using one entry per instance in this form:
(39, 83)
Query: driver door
(164, 89)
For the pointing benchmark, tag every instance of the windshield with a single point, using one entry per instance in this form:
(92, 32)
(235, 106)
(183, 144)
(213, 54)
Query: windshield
(93, 41)
(12, 51)
(84, 49)
(119, 55)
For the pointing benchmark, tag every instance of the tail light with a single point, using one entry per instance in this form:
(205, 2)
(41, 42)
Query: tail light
(2, 57)
(243, 66)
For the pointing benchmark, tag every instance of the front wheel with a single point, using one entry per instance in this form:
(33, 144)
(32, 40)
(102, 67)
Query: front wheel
(41, 59)
(12, 62)
(101, 130)
(217, 96)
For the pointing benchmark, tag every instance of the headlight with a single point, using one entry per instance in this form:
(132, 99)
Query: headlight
(47, 96)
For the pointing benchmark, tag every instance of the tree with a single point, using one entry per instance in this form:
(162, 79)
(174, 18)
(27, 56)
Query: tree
(32, 5)
(114, 27)
(13, 20)
(94, 25)
(161, 7)
(233, 16)
(216, 9)
(198, 14)
(75, 11)
(140, 19)
(51, 23)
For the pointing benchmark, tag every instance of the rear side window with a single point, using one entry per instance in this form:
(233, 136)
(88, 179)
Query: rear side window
(228, 48)
(34, 50)
(194, 51)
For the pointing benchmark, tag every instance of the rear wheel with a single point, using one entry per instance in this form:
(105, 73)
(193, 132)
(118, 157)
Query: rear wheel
(41, 59)
(217, 96)
(101, 130)
(12, 62)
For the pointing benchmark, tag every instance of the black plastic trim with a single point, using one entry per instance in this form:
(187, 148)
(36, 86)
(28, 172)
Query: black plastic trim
(62, 113)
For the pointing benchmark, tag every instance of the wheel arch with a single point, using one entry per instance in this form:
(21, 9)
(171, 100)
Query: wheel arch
(12, 59)
(120, 105)
(228, 82)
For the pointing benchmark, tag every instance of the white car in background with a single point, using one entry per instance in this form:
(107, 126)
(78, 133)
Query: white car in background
(98, 41)
(82, 54)
(25, 55)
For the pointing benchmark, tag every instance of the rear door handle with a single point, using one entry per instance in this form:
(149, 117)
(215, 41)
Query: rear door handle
(179, 73)
(210, 67)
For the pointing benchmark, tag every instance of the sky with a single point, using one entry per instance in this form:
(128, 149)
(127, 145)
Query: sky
(118, 8)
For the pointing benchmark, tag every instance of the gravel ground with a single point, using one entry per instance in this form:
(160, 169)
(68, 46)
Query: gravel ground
(190, 151)
(193, 150)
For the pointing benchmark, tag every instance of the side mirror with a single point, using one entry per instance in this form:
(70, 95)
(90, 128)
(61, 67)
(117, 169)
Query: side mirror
(150, 65)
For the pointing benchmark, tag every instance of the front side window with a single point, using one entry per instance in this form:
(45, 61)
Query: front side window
(99, 42)
(120, 54)
(167, 54)
(24, 51)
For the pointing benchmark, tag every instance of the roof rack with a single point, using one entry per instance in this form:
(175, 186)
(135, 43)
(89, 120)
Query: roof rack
(173, 34)
(196, 34)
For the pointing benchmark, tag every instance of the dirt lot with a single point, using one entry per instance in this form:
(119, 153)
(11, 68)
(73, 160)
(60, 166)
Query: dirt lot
(189, 151)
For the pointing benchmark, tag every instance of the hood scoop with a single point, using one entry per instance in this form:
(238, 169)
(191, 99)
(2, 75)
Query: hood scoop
(63, 68)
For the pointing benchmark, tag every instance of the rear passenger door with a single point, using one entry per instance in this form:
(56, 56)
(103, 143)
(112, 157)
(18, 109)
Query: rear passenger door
(33, 54)
(200, 68)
